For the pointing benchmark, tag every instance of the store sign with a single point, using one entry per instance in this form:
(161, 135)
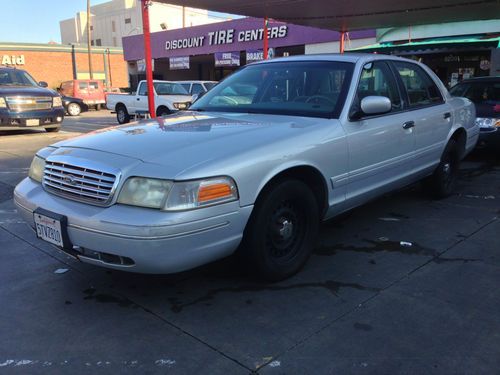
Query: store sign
(13, 60)
(230, 36)
(179, 63)
(254, 55)
(227, 59)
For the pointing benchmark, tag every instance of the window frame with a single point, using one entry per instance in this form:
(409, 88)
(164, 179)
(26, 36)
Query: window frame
(397, 85)
(406, 97)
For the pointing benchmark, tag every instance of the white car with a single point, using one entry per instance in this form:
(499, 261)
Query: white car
(169, 98)
(197, 87)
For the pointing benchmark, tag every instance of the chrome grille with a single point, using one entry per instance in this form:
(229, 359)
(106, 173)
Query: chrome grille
(79, 183)
(26, 103)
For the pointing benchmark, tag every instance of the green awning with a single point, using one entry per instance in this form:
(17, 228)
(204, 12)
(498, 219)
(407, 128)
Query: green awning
(431, 43)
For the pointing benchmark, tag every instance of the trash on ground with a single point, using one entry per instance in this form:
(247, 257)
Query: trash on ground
(405, 244)
(383, 239)
(61, 270)
(389, 219)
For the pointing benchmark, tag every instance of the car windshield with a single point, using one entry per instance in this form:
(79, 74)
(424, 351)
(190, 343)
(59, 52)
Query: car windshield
(209, 85)
(302, 88)
(13, 77)
(478, 92)
(169, 88)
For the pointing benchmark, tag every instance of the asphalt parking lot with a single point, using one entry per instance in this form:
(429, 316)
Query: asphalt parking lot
(401, 285)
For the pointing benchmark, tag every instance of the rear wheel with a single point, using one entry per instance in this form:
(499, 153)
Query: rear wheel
(122, 115)
(281, 232)
(443, 181)
(74, 109)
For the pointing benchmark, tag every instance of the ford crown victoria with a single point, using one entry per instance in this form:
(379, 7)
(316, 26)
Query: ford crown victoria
(253, 167)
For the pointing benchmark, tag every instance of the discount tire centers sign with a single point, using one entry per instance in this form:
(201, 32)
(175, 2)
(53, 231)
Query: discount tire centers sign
(230, 36)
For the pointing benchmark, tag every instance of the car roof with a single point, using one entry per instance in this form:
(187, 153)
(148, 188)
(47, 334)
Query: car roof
(195, 81)
(345, 57)
(481, 79)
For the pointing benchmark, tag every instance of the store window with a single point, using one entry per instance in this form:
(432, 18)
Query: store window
(113, 26)
(128, 20)
(377, 80)
(421, 89)
(98, 42)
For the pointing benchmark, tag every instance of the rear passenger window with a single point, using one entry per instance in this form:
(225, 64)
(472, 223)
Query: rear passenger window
(93, 85)
(421, 89)
(197, 88)
(377, 80)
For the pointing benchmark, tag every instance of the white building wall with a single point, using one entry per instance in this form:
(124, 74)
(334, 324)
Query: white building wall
(162, 17)
(334, 47)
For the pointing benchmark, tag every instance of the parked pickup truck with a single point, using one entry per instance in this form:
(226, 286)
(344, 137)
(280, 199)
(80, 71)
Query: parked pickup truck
(252, 167)
(169, 97)
(25, 103)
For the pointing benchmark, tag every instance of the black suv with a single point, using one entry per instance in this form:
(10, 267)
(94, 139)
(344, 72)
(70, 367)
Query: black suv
(484, 92)
(24, 103)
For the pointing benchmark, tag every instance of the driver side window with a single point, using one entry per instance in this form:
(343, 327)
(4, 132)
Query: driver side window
(377, 80)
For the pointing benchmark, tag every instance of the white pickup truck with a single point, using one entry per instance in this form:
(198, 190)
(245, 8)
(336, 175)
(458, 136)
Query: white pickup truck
(169, 97)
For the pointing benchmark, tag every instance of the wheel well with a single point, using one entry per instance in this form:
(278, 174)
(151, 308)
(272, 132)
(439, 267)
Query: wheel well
(160, 108)
(460, 136)
(119, 105)
(308, 175)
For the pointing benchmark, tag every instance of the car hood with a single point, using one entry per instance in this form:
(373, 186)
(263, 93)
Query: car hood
(26, 90)
(187, 139)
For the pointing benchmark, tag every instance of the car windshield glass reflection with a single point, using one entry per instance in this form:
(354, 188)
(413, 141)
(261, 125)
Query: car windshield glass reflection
(315, 89)
(16, 78)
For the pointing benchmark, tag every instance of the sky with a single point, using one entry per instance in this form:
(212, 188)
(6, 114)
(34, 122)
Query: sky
(37, 21)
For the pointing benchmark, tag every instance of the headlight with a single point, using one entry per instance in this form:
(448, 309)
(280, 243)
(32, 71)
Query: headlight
(56, 101)
(3, 104)
(485, 122)
(145, 192)
(201, 193)
(36, 168)
(182, 105)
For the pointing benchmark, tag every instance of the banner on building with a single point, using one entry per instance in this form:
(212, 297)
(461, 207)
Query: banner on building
(179, 63)
(227, 59)
(141, 65)
(254, 55)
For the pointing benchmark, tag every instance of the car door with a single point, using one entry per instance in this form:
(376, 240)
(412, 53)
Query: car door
(141, 100)
(381, 147)
(428, 110)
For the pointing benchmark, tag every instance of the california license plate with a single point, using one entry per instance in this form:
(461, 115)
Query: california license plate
(32, 122)
(48, 229)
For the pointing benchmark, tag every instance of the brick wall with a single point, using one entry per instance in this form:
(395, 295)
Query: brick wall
(56, 67)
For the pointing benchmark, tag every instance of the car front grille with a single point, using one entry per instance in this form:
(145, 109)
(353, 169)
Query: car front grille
(25, 103)
(79, 183)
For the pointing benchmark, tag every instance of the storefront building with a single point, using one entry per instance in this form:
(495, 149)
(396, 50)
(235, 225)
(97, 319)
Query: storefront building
(454, 51)
(211, 52)
(56, 63)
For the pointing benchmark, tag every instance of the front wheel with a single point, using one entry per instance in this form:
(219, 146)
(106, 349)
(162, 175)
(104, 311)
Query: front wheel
(122, 115)
(281, 232)
(74, 109)
(443, 181)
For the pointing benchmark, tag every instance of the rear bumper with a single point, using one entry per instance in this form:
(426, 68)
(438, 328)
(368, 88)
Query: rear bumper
(19, 120)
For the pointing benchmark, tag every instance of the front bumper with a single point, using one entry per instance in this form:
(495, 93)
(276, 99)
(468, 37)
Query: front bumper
(10, 120)
(489, 137)
(151, 241)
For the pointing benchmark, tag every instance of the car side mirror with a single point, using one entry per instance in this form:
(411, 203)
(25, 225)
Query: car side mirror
(43, 84)
(375, 105)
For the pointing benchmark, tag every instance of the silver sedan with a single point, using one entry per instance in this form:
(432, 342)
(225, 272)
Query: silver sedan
(253, 167)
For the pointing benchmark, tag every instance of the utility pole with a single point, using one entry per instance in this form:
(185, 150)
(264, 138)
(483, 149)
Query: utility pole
(89, 38)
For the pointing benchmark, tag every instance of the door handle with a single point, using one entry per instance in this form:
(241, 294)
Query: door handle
(408, 125)
(447, 115)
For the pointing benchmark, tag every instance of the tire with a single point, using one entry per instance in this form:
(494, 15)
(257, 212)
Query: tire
(281, 232)
(74, 109)
(52, 130)
(97, 107)
(162, 111)
(443, 181)
(122, 115)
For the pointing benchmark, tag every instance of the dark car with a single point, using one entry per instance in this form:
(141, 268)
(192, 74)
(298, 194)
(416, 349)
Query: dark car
(74, 106)
(25, 103)
(484, 92)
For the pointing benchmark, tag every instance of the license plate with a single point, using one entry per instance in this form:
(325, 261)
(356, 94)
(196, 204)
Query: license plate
(33, 122)
(49, 229)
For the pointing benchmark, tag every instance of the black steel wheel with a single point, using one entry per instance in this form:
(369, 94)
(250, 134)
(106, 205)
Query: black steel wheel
(443, 181)
(281, 232)
(122, 115)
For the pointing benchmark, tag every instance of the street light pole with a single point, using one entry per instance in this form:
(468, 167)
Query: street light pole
(89, 38)
(147, 55)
